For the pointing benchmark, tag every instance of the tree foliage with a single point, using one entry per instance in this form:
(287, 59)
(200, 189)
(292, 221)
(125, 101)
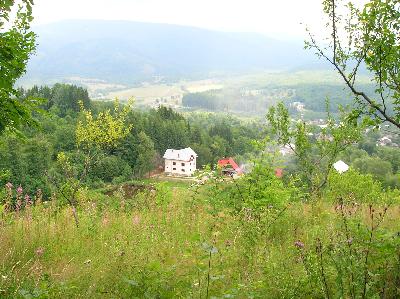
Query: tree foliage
(105, 130)
(315, 150)
(17, 43)
(94, 135)
(146, 155)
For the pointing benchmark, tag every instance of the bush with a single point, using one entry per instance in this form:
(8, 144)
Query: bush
(353, 187)
(111, 167)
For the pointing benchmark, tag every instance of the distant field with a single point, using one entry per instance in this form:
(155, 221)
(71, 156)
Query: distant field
(290, 78)
(146, 93)
(153, 94)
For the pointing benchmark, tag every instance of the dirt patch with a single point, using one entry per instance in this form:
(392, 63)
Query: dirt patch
(130, 190)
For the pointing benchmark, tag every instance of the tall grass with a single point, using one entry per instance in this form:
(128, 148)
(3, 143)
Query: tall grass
(173, 247)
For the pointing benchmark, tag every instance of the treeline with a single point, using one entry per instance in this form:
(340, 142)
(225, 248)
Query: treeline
(28, 161)
(314, 96)
(208, 100)
(234, 100)
(382, 162)
(257, 101)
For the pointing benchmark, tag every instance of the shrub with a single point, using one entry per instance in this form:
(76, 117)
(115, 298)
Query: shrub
(111, 167)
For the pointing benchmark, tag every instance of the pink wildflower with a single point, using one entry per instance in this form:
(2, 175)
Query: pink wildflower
(20, 190)
(39, 251)
(28, 201)
(18, 205)
(299, 244)
(136, 220)
(105, 220)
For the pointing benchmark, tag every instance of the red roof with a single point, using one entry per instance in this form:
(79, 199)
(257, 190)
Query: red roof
(279, 172)
(231, 162)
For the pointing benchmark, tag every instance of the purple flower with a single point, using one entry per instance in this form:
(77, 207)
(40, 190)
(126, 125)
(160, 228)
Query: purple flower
(39, 251)
(136, 220)
(28, 200)
(18, 205)
(299, 244)
(20, 190)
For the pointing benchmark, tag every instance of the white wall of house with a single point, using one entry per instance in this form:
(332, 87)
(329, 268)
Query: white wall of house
(184, 168)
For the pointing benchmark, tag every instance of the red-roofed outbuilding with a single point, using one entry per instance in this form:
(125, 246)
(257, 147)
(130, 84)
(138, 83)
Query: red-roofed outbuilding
(229, 166)
(279, 172)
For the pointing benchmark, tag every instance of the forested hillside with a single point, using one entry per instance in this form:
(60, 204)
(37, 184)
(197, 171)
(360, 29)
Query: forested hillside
(28, 162)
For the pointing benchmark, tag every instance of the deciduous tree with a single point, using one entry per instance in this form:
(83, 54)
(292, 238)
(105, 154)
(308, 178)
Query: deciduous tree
(94, 136)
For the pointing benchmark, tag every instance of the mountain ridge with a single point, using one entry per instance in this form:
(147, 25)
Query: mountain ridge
(129, 52)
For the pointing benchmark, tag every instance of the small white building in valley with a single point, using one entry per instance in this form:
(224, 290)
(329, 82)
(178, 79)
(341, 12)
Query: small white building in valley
(340, 166)
(180, 162)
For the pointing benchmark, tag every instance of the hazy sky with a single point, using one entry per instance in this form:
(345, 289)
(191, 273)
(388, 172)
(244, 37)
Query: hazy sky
(279, 18)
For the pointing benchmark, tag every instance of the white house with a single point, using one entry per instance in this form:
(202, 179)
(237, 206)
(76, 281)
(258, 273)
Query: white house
(340, 166)
(180, 162)
(287, 149)
(384, 141)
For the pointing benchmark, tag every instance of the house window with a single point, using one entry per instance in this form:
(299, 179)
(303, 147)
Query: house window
(183, 164)
(173, 163)
(173, 168)
(183, 170)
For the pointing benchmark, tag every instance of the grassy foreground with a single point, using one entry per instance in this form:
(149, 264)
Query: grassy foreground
(169, 245)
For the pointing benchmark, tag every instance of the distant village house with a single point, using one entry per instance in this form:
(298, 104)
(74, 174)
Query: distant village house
(340, 166)
(180, 162)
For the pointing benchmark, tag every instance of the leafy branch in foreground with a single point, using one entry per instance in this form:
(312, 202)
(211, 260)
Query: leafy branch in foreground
(315, 151)
(366, 36)
(17, 43)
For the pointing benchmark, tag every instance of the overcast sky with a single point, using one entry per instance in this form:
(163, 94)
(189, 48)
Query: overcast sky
(278, 18)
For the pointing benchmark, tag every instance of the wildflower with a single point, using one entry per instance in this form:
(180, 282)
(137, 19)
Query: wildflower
(136, 220)
(28, 200)
(299, 244)
(18, 205)
(20, 190)
(350, 241)
(105, 220)
(39, 251)
(9, 186)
